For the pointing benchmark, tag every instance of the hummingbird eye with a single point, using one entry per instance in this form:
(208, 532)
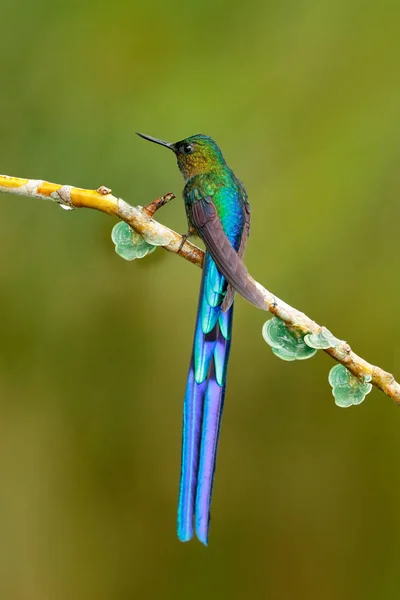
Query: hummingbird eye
(186, 148)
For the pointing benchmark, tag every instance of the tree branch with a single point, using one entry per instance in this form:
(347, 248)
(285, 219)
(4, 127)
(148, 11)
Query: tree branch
(140, 219)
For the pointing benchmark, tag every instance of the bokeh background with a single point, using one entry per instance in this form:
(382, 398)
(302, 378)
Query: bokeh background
(304, 99)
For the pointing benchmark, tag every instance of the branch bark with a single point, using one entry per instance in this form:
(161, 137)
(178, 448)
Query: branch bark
(140, 219)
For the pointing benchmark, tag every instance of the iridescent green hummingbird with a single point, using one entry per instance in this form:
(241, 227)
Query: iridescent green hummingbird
(218, 212)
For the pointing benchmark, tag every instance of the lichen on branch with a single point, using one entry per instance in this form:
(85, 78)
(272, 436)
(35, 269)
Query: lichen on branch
(154, 233)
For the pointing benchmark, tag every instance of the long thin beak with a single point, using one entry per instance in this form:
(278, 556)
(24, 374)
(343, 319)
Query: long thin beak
(156, 140)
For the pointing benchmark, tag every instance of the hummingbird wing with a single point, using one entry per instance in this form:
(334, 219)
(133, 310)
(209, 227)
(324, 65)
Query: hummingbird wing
(230, 292)
(205, 219)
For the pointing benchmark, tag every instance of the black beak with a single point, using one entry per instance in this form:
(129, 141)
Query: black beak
(156, 140)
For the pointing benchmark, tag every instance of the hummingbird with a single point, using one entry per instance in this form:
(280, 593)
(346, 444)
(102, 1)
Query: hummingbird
(217, 211)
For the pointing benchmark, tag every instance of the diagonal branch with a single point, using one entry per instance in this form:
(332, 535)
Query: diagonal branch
(140, 219)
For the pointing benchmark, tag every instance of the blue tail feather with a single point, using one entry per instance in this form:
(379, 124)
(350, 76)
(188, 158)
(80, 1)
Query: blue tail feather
(203, 404)
(192, 418)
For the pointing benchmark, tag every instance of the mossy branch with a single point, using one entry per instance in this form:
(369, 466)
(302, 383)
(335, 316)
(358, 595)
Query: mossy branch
(141, 220)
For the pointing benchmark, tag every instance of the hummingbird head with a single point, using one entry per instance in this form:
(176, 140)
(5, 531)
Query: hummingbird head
(195, 154)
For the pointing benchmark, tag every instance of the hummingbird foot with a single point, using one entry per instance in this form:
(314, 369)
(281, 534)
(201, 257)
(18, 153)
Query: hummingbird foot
(183, 241)
(191, 232)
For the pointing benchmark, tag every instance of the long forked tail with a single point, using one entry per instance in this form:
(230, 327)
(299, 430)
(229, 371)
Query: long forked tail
(203, 404)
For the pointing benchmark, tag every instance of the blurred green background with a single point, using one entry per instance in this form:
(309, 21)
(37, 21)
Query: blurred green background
(303, 98)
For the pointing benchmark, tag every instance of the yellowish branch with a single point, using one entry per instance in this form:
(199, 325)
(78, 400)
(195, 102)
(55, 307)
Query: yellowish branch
(102, 199)
(140, 219)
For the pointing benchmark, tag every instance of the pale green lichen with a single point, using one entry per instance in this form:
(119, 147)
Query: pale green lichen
(159, 239)
(129, 244)
(322, 340)
(286, 343)
(347, 389)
